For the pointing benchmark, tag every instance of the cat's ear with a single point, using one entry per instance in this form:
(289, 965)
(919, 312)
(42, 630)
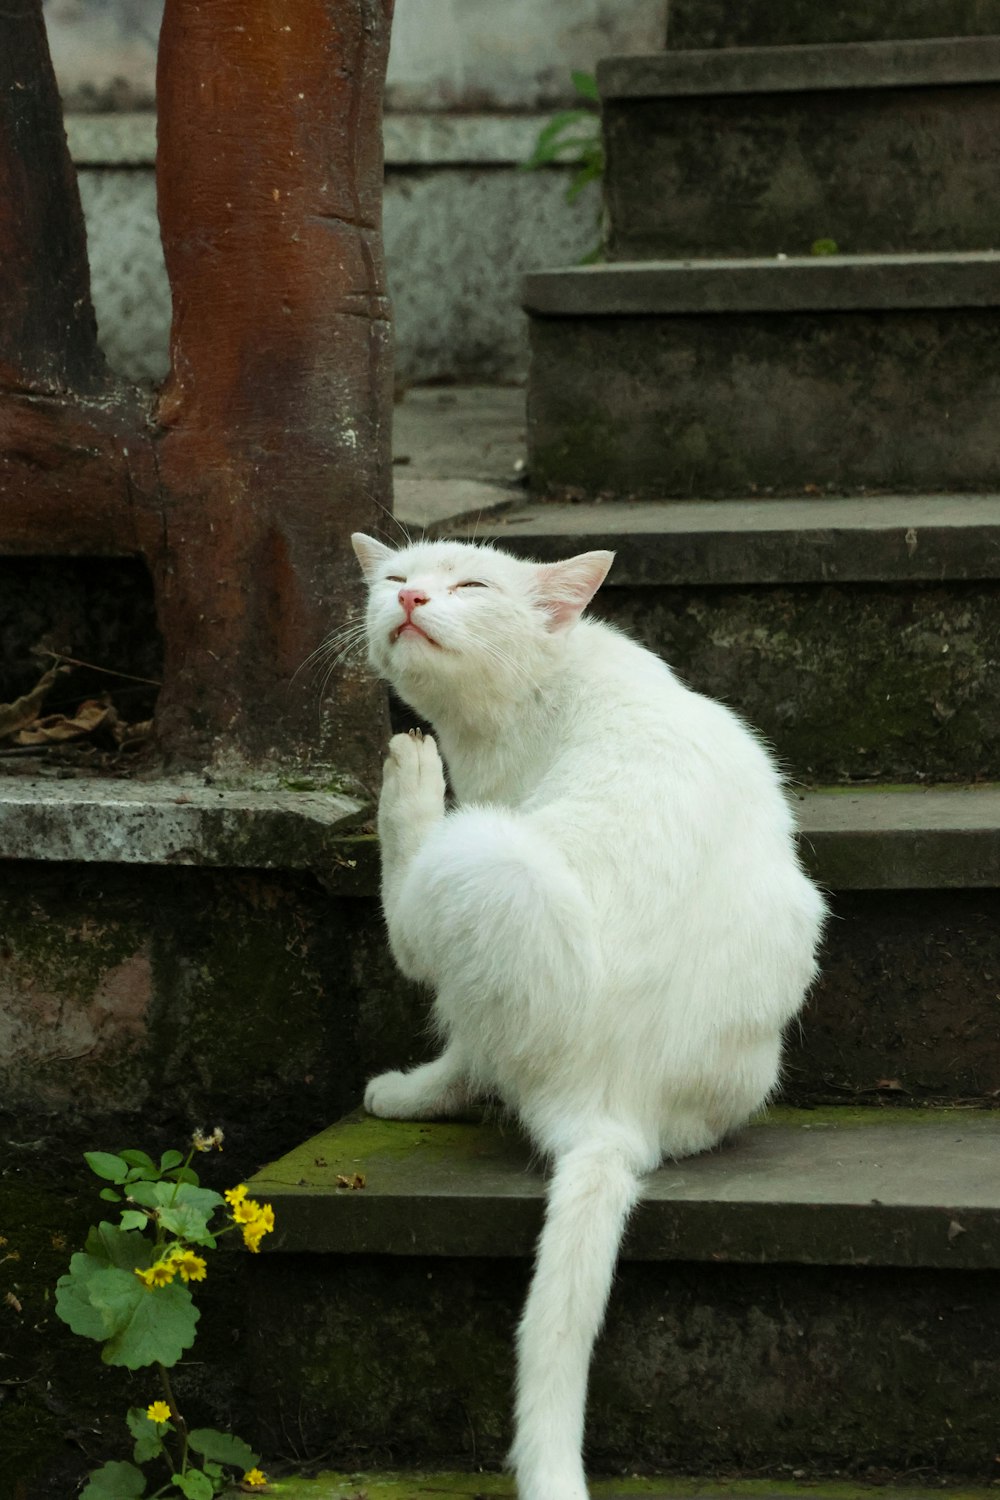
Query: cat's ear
(369, 552)
(564, 589)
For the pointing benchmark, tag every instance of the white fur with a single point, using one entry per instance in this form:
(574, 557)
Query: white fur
(612, 916)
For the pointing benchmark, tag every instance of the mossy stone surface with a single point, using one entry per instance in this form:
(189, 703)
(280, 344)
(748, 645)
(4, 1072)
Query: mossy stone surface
(415, 1484)
(847, 682)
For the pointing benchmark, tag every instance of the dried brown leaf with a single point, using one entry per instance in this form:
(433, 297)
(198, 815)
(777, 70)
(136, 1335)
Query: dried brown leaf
(24, 710)
(355, 1181)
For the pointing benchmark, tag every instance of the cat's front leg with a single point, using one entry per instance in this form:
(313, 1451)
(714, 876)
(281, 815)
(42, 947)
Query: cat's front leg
(434, 1090)
(411, 804)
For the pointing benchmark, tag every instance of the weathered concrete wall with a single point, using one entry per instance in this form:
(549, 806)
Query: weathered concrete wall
(701, 1369)
(461, 223)
(847, 682)
(446, 54)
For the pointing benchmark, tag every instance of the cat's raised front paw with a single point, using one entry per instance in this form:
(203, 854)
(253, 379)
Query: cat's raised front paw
(413, 779)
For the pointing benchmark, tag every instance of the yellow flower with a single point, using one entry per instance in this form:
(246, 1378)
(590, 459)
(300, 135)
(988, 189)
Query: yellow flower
(161, 1273)
(254, 1477)
(191, 1267)
(159, 1411)
(255, 1229)
(235, 1195)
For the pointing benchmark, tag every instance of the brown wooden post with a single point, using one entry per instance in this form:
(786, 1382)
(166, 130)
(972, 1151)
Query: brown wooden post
(270, 440)
(277, 410)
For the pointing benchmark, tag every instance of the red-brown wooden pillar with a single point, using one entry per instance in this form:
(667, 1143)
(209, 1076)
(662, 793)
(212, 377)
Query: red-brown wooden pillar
(276, 416)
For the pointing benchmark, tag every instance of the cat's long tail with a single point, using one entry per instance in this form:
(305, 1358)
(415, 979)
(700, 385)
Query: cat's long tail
(593, 1190)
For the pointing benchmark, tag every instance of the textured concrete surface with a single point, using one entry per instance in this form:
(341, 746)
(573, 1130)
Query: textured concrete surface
(795, 1188)
(845, 283)
(444, 56)
(815, 540)
(847, 682)
(457, 452)
(719, 23)
(462, 224)
(174, 821)
(696, 406)
(896, 168)
(748, 70)
(701, 1367)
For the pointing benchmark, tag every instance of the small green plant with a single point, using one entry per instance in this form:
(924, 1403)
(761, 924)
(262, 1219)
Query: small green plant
(824, 247)
(573, 138)
(130, 1291)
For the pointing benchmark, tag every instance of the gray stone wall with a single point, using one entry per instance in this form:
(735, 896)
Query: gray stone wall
(462, 221)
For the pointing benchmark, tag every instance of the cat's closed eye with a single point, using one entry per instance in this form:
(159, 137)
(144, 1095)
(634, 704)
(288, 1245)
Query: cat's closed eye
(394, 578)
(471, 583)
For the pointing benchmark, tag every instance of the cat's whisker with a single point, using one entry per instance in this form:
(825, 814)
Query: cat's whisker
(338, 645)
(397, 523)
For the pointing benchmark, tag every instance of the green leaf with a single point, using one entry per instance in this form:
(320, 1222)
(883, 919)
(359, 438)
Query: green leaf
(170, 1159)
(116, 1481)
(133, 1218)
(585, 85)
(110, 1196)
(548, 146)
(195, 1485)
(824, 247)
(185, 1210)
(146, 1193)
(73, 1304)
(148, 1435)
(111, 1246)
(138, 1159)
(103, 1164)
(223, 1448)
(145, 1326)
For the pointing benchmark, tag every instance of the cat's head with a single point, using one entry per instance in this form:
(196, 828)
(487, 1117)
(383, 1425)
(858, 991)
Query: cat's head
(448, 618)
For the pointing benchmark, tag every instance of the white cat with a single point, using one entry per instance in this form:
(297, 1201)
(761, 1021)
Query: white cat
(612, 916)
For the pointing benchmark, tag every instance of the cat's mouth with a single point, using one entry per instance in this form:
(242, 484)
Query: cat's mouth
(410, 627)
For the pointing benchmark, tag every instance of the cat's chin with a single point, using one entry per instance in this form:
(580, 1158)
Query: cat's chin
(410, 632)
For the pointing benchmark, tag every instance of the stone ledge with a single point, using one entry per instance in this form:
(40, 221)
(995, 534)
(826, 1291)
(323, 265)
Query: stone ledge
(182, 821)
(937, 61)
(881, 538)
(885, 1188)
(409, 139)
(425, 1485)
(903, 838)
(824, 283)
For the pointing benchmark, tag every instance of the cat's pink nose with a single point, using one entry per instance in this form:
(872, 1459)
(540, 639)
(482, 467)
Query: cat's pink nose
(410, 598)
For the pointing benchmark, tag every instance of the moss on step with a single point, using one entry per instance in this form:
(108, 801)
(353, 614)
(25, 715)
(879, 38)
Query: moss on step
(412, 1486)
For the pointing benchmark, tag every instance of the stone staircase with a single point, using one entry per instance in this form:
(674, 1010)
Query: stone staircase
(797, 461)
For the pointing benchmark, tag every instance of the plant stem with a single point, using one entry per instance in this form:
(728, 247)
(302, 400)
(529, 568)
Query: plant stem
(179, 1421)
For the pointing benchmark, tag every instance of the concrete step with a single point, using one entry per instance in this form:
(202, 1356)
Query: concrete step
(862, 636)
(878, 146)
(733, 377)
(811, 1294)
(417, 1484)
(780, 23)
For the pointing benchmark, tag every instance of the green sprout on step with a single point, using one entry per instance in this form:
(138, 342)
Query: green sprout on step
(573, 138)
(130, 1290)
